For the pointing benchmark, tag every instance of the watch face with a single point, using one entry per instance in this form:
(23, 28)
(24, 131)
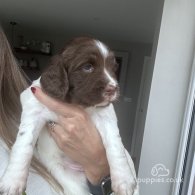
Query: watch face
(106, 186)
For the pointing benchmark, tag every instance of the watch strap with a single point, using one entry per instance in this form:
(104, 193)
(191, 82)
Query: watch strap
(106, 185)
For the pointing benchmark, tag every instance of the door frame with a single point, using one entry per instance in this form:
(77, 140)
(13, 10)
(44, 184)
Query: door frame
(123, 69)
(134, 146)
(180, 163)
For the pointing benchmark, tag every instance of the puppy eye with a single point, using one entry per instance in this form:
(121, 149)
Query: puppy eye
(87, 68)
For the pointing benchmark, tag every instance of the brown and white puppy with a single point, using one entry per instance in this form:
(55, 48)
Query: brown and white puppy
(82, 73)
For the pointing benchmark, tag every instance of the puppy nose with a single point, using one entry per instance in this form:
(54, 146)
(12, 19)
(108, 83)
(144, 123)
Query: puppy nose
(110, 89)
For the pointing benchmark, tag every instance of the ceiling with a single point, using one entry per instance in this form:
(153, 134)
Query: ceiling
(122, 20)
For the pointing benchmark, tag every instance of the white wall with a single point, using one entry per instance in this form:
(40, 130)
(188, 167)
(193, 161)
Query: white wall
(125, 110)
(169, 88)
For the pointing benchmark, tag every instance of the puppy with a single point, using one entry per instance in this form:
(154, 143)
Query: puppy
(83, 74)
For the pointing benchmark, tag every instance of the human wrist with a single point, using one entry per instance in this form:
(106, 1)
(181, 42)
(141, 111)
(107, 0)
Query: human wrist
(95, 176)
(97, 170)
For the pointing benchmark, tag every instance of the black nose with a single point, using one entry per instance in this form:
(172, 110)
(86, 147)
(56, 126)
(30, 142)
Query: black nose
(110, 89)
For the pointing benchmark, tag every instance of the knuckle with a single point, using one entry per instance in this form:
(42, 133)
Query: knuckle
(71, 128)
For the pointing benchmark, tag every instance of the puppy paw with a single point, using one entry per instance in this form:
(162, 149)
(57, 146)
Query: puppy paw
(9, 186)
(124, 187)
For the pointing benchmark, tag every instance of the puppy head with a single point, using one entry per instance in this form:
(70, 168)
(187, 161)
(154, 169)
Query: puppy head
(83, 73)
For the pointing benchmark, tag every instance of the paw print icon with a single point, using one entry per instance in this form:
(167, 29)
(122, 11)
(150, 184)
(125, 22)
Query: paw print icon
(159, 170)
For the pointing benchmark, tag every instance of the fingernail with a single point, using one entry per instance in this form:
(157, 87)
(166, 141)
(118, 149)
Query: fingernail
(33, 89)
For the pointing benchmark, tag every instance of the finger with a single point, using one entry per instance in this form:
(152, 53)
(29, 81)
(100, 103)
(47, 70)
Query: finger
(65, 127)
(57, 129)
(64, 109)
(58, 133)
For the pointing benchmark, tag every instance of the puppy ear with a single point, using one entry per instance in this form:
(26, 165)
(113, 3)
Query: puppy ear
(54, 80)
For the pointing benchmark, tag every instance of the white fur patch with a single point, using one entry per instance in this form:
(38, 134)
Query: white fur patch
(112, 81)
(103, 49)
(73, 182)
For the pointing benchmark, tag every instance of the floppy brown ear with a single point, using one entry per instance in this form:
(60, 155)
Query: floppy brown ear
(54, 80)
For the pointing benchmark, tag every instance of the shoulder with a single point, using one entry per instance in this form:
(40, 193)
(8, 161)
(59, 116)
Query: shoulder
(27, 95)
(107, 112)
(29, 101)
(104, 118)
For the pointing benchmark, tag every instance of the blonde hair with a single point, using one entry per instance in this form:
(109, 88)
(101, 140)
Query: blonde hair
(12, 83)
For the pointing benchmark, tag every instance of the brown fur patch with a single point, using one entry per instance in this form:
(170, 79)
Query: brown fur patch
(66, 80)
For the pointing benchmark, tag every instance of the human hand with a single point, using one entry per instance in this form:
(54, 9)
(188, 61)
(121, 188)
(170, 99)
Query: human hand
(77, 136)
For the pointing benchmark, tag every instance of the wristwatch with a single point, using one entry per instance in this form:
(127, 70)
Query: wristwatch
(106, 186)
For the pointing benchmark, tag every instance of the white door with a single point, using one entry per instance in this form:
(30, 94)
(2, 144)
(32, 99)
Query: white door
(141, 112)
